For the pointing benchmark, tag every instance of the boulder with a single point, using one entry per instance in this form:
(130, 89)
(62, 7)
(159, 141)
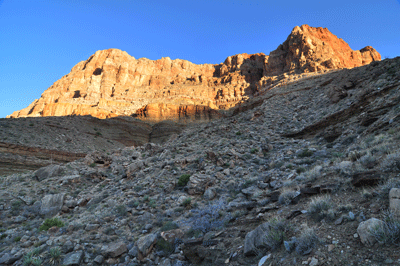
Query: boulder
(114, 250)
(198, 183)
(52, 204)
(255, 239)
(48, 171)
(365, 228)
(73, 258)
(394, 201)
(145, 245)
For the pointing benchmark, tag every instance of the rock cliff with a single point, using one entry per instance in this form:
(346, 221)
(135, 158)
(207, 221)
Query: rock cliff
(113, 83)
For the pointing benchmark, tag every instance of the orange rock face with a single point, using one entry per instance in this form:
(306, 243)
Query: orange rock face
(309, 49)
(112, 83)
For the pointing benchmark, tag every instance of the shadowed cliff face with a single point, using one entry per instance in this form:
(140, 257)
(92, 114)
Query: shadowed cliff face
(112, 83)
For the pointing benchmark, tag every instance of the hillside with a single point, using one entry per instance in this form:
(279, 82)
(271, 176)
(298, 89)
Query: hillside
(292, 176)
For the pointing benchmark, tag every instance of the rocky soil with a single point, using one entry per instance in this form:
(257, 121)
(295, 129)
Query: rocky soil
(293, 177)
(34, 142)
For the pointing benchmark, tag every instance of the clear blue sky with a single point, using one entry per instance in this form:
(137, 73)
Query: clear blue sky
(41, 40)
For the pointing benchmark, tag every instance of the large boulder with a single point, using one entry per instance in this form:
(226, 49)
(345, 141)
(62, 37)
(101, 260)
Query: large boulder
(255, 239)
(198, 183)
(114, 250)
(145, 245)
(366, 228)
(73, 258)
(52, 204)
(48, 171)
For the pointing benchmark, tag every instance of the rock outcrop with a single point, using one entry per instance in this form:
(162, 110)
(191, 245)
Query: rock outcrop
(112, 83)
(309, 49)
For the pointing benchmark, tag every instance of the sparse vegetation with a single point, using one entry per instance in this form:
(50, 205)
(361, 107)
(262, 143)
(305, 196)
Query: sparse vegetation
(319, 207)
(305, 153)
(50, 222)
(389, 232)
(183, 180)
(276, 233)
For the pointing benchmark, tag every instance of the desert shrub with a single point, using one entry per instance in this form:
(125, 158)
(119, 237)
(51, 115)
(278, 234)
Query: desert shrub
(389, 232)
(287, 196)
(252, 151)
(311, 175)
(169, 226)
(17, 239)
(355, 155)
(391, 163)
(319, 207)
(16, 207)
(305, 153)
(183, 180)
(385, 188)
(31, 258)
(248, 183)
(277, 233)
(48, 223)
(306, 242)
(368, 160)
(187, 202)
(55, 255)
(212, 217)
(121, 210)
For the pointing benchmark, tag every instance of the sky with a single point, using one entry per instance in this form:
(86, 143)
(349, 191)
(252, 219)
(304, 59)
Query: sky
(41, 40)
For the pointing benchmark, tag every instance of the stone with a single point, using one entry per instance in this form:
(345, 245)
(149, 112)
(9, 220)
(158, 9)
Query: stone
(369, 178)
(313, 262)
(264, 259)
(210, 193)
(145, 245)
(48, 171)
(52, 204)
(73, 259)
(165, 262)
(7, 258)
(99, 259)
(255, 239)
(114, 250)
(394, 201)
(133, 252)
(198, 183)
(364, 230)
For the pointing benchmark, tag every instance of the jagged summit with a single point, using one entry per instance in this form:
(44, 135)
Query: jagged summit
(113, 83)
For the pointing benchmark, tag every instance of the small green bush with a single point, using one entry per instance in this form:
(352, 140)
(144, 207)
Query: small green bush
(305, 153)
(169, 226)
(187, 202)
(17, 239)
(183, 180)
(55, 253)
(252, 151)
(48, 223)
